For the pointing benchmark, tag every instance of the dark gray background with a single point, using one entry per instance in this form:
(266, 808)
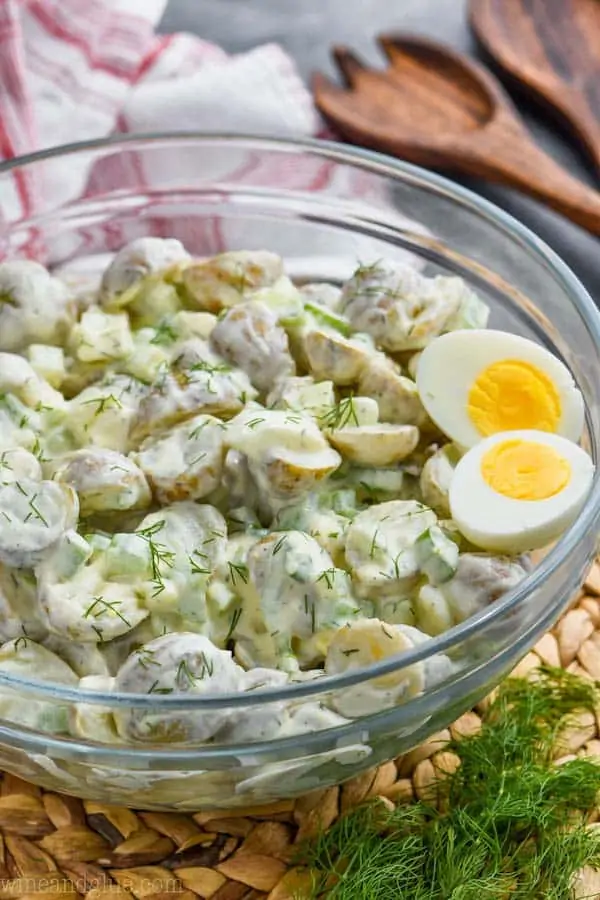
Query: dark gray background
(307, 28)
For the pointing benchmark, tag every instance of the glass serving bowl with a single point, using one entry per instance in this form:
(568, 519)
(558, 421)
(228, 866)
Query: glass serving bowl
(323, 207)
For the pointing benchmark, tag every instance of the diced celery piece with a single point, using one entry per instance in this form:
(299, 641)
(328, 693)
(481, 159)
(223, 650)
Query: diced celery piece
(437, 555)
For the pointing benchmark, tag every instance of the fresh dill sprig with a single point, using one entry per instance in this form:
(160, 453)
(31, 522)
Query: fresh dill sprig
(160, 556)
(237, 571)
(99, 606)
(164, 333)
(102, 403)
(509, 822)
(341, 415)
(237, 615)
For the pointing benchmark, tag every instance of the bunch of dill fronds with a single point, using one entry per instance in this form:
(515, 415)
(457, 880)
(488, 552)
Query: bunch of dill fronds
(512, 824)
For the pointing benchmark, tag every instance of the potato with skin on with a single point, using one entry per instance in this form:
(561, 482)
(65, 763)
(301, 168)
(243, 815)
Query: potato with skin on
(397, 396)
(362, 643)
(436, 476)
(480, 580)
(34, 306)
(375, 445)
(331, 356)
(84, 604)
(18, 377)
(134, 262)
(192, 386)
(229, 278)
(104, 414)
(35, 516)
(176, 664)
(286, 452)
(250, 337)
(400, 308)
(105, 481)
(186, 462)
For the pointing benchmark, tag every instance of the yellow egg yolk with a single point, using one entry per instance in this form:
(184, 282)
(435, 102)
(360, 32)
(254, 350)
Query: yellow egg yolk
(525, 470)
(511, 395)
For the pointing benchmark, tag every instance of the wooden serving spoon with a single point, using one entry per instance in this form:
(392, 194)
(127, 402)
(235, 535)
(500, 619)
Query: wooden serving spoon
(552, 47)
(437, 108)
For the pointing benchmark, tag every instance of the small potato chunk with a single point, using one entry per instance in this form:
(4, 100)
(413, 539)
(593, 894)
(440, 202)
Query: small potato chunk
(287, 454)
(397, 397)
(190, 390)
(436, 476)
(185, 463)
(83, 605)
(375, 445)
(381, 546)
(182, 663)
(34, 517)
(248, 336)
(17, 463)
(360, 644)
(105, 481)
(331, 356)
(48, 362)
(293, 599)
(366, 641)
(136, 260)
(103, 414)
(324, 294)
(101, 337)
(25, 659)
(34, 306)
(20, 613)
(228, 279)
(400, 308)
(18, 377)
(479, 581)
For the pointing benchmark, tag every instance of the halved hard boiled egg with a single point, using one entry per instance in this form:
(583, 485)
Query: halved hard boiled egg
(477, 383)
(519, 490)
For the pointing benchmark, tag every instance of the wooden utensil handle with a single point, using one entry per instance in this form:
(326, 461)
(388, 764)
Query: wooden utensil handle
(507, 155)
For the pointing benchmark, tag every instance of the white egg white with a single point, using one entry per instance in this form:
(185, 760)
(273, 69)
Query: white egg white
(494, 522)
(449, 366)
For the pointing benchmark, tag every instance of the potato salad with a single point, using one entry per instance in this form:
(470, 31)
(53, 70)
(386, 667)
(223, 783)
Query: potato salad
(214, 480)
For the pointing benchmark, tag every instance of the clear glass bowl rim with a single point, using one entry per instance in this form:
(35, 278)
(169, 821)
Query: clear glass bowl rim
(385, 166)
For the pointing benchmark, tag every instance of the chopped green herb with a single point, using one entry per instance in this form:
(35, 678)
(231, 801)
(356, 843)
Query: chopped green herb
(103, 403)
(237, 615)
(279, 544)
(237, 571)
(100, 606)
(339, 416)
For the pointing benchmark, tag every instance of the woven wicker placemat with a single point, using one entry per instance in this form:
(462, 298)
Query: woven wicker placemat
(53, 846)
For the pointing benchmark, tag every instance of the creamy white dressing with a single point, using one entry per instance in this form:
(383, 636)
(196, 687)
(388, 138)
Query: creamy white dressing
(220, 482)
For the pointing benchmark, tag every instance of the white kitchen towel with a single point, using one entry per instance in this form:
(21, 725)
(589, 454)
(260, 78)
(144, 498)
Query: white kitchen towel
(71, 70)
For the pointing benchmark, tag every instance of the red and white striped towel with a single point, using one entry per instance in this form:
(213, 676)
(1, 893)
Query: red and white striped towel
(72, 70)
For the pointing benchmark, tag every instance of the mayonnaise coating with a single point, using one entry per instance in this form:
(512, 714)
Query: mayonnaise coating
(34, 517)
(186, 462)
(105, 480)
(214, 480)
(34, 306)
(142, 257)
(176, 663)
(250, 337)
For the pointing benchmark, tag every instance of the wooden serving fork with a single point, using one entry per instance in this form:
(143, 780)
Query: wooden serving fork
(435, 107)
